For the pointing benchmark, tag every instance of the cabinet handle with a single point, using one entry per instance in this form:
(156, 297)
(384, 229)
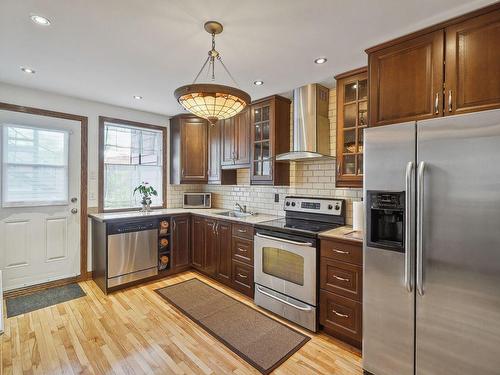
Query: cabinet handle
(340, 278)
(449, 101)
(339, 314)
(182, 172)
(436, 104)
(173, 224)
(242, 230)
(217, 229)
(242, 276)
(340, 251)
(242, 250)
(339, 164)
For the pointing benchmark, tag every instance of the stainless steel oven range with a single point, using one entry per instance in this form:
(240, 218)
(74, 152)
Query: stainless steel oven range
(286, 257)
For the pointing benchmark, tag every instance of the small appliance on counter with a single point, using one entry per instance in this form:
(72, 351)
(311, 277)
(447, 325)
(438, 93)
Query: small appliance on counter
(286, 257)
(197, 200)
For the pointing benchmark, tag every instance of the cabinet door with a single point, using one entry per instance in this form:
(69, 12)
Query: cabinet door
(198, 242)
(211, 245)
(242, 138)
(180, 233)
(406, 80)
(194, 150)
(214, 152)
(352, 119)
(224, 251)
(473, 65)
(228, 147)
(262, 123)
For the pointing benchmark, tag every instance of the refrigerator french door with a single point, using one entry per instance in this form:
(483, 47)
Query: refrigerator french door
(433, 305)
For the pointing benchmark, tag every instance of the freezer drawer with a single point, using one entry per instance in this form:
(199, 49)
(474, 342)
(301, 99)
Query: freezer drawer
(132, 252)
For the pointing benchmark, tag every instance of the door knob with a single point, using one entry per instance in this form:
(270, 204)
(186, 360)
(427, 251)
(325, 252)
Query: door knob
(74, 199)
(74, 210)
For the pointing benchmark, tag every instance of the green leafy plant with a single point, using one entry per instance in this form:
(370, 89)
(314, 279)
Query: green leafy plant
(146, 191)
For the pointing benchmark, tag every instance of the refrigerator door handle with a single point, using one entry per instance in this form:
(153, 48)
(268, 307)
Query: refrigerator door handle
(408, 220)
(420, 223)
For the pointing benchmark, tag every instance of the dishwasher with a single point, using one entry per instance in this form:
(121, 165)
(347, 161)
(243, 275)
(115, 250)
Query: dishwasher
(132, 252)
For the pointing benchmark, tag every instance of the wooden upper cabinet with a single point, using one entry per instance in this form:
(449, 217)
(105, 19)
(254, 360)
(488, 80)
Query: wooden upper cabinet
(236, 141)
(215, 173)
(352, 119)
(446, 69)
(270, 136)
(188, 150)
(406, 80)
(473, 64)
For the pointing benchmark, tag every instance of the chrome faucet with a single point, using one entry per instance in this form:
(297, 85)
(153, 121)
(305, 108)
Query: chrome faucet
(242, 209)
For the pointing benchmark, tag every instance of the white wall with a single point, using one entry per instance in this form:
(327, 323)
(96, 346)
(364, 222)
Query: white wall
(45, 100)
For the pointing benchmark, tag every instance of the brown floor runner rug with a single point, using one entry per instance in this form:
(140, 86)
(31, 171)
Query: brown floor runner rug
(261, 341)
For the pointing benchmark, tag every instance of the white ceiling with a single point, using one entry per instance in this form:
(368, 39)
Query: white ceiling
(110, 50)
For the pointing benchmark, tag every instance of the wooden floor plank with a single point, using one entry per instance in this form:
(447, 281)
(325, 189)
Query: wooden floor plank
(134, 332)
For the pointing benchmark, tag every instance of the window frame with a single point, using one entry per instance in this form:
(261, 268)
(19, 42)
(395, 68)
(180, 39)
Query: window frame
(118, 122)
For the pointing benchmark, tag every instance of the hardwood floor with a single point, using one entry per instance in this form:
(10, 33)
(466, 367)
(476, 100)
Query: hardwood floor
(134, 331)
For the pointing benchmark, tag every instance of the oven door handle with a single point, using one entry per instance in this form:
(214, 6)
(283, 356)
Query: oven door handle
(284, 240)
(282, 300)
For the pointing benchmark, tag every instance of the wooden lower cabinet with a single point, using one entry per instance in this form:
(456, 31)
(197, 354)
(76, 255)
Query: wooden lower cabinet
(341, 317)
(341, 288)
(223, 252)
(180, 242)
(242, 278)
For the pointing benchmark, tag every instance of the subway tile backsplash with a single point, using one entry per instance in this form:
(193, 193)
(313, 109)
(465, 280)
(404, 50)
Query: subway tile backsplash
(312, 178)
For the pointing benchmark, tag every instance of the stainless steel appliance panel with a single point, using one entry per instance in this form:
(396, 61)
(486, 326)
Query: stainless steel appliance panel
(458, 315)
(132, 252)
(287, 307)
(388, 300)
(289, 268)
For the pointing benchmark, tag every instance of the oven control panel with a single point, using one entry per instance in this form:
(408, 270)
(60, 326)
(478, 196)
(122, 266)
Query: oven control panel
(325, 206)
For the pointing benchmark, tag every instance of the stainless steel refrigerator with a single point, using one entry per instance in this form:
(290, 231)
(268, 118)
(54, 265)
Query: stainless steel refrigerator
(431, 295)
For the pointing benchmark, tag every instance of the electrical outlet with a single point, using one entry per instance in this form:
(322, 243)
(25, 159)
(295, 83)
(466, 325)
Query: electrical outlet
(276, 197)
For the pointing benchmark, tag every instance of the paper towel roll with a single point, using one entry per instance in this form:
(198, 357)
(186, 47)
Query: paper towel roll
(358, 216)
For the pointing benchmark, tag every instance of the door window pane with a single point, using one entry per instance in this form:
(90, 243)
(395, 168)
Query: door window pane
(350, 141)
(283, 264)
(362, 89)
(132, 155)
(35, 166)
(363, 111)
(350, 92)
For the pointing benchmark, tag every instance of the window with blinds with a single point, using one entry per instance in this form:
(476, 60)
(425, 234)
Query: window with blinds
(34, 166)
(132, 155)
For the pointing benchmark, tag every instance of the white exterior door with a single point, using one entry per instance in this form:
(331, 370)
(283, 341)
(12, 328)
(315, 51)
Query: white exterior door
(40, 199)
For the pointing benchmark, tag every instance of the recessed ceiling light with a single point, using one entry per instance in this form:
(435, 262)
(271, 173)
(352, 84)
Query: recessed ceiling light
(321, 60)
(27, 70)
(258, 83)
(40, 20)
(138, 97)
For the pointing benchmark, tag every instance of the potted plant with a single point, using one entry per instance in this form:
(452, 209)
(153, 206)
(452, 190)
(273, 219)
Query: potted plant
(146, 191)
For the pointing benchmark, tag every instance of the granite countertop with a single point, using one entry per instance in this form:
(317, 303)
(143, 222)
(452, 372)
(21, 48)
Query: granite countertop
(343, 233)
(209, 212)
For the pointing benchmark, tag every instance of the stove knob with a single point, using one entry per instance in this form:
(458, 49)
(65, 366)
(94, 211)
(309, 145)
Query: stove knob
(293, 204)
(337, 207)
(287, 203)
(330, 207)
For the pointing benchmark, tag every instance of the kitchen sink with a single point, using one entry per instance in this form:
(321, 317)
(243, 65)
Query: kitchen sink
(235, 214)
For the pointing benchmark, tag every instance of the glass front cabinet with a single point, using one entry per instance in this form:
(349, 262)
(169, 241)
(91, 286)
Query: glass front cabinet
(352, 111)
(270, 136)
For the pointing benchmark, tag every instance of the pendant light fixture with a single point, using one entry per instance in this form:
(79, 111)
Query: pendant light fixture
(208, 100)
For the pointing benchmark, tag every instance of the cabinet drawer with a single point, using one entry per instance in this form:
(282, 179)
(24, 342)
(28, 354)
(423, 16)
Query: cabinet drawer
(241, 230)
(340, 314)
(242, 277)
(243, 250)
(341, 278)
(343, 251)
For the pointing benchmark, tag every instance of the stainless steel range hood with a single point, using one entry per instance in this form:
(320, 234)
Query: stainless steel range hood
(311, 128)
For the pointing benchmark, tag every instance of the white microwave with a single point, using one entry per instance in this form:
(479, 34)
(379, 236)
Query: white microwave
(197, 200)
